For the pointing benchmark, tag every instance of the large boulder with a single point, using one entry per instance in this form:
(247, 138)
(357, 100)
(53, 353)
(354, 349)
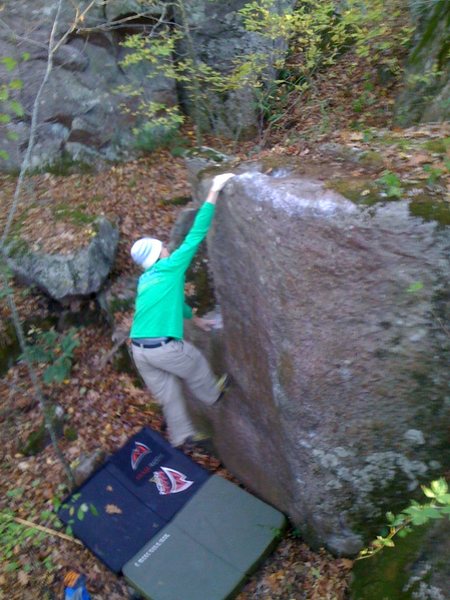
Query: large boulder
(65, 277)
(81, 114)
(335, 335)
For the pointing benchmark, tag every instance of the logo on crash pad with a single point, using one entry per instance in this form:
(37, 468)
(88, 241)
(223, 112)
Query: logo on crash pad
(138, 454)
(169, 481)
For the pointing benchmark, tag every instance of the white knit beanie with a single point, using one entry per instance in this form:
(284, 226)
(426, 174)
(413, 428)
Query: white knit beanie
(145, 252)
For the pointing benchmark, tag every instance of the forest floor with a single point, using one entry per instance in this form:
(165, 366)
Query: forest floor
(104, 407)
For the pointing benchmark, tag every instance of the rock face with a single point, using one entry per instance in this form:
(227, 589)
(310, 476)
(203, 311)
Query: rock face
(80, 117)
(427, 87)
(65, 277)
(217, 38)
(335, 335)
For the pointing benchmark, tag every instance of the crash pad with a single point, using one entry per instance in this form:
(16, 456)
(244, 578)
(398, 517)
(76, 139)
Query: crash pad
(231, 523)
(231, 530)
(174, 530)
(136, 492)
(174, 566)
(109, 520)
(160, 476)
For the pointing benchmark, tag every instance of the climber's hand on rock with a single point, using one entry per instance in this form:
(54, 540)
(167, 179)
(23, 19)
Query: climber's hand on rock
(204, 324)
(219, 181)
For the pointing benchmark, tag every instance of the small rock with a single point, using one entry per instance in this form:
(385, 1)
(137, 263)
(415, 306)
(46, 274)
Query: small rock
(415, 436)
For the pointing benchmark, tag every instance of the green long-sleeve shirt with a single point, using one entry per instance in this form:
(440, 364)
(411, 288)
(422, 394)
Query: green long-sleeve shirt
(160, 306)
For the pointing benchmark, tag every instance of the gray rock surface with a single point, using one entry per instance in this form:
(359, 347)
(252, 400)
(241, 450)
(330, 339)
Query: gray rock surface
(80, 117)
(338, 409)
(65, 277)
(426, 93)
(200, 158)
(218, 38)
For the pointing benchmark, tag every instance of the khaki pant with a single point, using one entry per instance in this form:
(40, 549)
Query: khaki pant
(163, 369)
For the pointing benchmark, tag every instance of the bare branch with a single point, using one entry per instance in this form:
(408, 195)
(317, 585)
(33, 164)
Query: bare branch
(22, 38)
(111, 26)
(47, 530)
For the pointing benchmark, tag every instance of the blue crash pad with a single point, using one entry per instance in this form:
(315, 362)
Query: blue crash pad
(160, 476)
(149, 481)
(121, 524)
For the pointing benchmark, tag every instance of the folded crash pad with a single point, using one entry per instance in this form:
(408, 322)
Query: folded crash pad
(175, 531)
(174, 566)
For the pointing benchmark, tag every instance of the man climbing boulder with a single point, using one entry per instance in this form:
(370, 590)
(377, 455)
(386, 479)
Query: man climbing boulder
(163, 358)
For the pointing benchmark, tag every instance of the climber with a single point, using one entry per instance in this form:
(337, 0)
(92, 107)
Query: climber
(164, 359)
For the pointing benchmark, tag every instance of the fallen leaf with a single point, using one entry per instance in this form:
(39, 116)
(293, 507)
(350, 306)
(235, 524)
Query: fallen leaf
(419, 159)
(112, 509)
(356, 137)
(22, 577)
(346, 563)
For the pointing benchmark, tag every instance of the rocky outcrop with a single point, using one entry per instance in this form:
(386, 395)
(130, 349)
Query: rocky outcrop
(334, 333)
(427, 75)
(66, 277)
(80, 116)
(218, 37)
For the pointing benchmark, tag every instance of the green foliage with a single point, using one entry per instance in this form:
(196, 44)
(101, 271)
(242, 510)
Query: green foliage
(199, 80)
(10, 107)
(19, 537)
(75, 513)
(316, 33)
(437, 145)
(391, 184)
(153, 135)
(378, 34)
(53, 349)
(414, 515)
(76, 216)
(416, 286)
(434, 173)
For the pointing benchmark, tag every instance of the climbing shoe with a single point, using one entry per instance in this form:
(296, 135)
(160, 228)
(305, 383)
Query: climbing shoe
(223, 384)
(197, 443)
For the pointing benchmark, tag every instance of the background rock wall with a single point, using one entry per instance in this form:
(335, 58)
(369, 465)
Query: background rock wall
(80, 116)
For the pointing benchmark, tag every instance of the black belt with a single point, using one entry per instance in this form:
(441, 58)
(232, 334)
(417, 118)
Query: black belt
(166, 341)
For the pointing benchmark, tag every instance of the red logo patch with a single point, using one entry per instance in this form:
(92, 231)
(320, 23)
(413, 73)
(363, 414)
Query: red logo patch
(169, 481)
(138, 454)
